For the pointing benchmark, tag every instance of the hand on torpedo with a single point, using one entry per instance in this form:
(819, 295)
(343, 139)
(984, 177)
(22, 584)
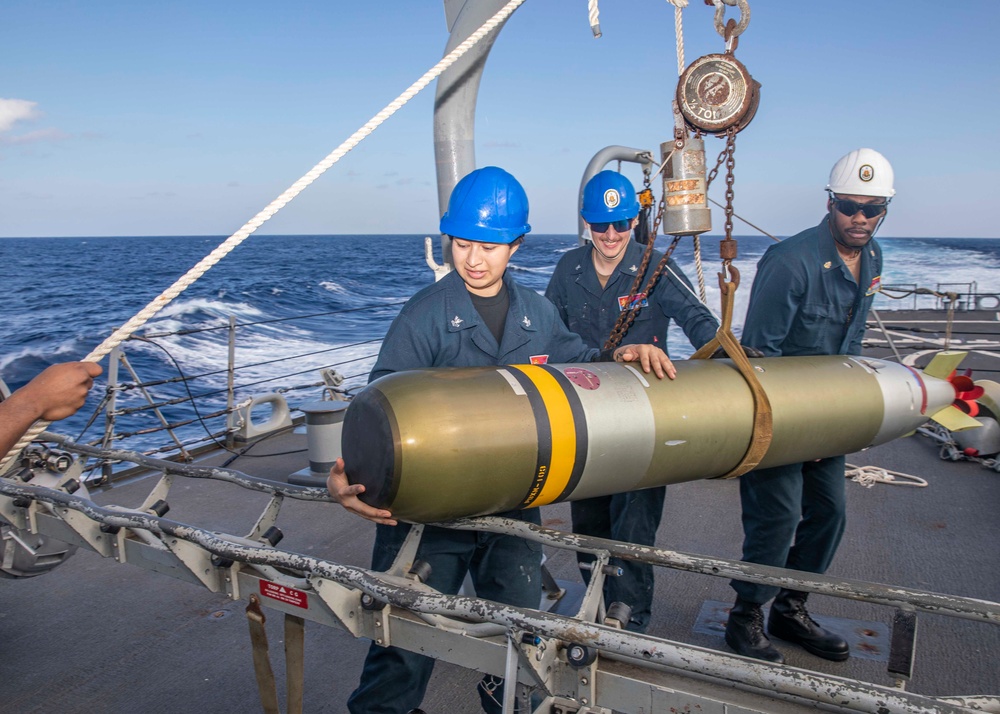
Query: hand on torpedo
(347, 496)
(651, 357)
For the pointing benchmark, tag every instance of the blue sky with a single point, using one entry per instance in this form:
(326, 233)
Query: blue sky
(124, 118)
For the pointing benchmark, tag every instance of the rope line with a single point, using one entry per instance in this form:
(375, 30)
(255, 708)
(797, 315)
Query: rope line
(868, 476)
(271, 209)
(593, 14)
(679, 5)
(700, 271)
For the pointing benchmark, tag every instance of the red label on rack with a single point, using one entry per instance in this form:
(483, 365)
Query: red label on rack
(283, 593)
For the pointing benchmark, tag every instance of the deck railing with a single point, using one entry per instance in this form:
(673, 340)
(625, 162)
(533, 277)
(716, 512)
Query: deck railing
(207, 413)
(961, 296)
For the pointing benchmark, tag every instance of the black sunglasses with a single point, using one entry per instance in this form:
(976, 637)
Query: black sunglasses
(620, 226)
(850, 208)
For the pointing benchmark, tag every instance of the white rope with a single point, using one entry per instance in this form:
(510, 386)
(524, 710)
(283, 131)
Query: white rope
(593, 14)
(679, 5)
(700, 270)
(868, 476)
(161, 301)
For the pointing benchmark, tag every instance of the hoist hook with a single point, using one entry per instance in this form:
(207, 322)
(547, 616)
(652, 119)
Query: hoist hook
(729, 279)
(720, 11)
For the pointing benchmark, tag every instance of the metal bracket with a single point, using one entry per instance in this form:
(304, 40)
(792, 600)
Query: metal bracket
(268, 518)
(903, 644)
(407, 554)
(197, 560)
(591, 605)
(159, 492)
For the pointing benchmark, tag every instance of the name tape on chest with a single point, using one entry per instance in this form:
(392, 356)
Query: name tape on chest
(639, 299)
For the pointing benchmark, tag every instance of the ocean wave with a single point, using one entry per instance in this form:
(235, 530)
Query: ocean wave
(60, 352)
(271, 280)
(335, 288)
(215, 307)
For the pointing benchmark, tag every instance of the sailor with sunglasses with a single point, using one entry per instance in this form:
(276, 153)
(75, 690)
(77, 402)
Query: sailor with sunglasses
(590, 287)
(811, 295)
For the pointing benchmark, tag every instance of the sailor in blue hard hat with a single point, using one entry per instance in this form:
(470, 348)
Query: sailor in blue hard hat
(610, 208)
(487, 220)
(590, 287)
(475, 316)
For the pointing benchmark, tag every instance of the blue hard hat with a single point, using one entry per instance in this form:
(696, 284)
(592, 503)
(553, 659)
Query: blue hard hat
(487, 206)
(607, 197)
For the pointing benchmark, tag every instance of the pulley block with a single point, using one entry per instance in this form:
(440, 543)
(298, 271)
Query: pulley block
(716, 92)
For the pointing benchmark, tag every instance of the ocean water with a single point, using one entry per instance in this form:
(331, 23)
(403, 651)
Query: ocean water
(64, 296)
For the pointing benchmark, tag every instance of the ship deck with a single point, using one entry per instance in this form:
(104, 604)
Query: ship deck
(918, 334)
(93, 635)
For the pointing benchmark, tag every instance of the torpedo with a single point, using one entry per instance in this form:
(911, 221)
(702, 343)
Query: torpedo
(437, 444)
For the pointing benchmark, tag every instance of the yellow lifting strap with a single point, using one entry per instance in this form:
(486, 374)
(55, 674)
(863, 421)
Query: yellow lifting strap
(760, 438)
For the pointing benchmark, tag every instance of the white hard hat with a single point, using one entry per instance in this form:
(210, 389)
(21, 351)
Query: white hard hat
(863, 172)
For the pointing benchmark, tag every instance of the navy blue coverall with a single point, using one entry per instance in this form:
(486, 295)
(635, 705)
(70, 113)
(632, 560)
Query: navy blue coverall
(591, 311)
(804, 301)
(440, 327)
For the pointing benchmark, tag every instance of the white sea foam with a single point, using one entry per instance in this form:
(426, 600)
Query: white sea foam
(259, 355)
(51, 353)
(335, 288)
(179, 308)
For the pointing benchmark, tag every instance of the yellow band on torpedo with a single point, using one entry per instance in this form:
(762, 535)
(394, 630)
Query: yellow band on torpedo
(563, 429)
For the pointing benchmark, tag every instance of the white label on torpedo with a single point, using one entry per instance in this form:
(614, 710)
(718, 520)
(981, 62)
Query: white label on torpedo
(638, 375)
(514, 384)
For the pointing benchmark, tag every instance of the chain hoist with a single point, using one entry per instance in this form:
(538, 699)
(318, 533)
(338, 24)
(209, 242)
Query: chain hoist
(716, 91)
(715, 95)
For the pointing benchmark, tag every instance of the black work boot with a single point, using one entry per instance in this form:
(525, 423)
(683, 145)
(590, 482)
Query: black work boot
(789, 620)
(745, 632)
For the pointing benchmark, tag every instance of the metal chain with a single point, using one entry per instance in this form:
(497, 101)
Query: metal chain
(730, 152)
(659, 215)
(727, 250)
(627, 317)
(727, 246)
(718, 164)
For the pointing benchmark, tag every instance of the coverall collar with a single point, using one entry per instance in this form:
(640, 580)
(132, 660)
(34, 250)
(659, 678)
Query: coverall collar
(462, 315)
(587, 274)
